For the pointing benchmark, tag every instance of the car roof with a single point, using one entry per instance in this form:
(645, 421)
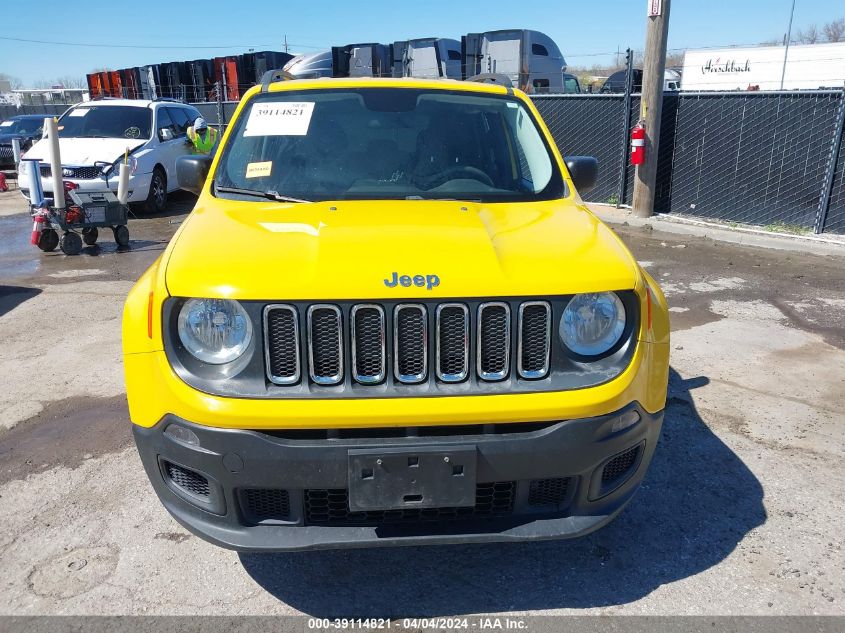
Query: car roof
(327, 83)
(18, 117)
(142, 103)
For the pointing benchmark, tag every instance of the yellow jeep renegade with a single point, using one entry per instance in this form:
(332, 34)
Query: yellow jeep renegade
(391, 320)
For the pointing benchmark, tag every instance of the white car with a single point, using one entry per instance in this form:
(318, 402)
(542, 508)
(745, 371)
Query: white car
(94, 136)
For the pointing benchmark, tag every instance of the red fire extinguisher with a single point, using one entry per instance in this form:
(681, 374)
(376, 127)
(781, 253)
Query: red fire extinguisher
(638, 144)
(38, 221)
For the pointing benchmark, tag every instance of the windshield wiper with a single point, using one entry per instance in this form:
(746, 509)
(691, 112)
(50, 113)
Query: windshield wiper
(442, 199)
(269, 195)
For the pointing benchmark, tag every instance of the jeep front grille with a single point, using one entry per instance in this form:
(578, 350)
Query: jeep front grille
(368, 344)
(410, 339)
(535, 330)
(494, 336)
(452, 342)
(325, 344)
(281, 331)
(371, 344)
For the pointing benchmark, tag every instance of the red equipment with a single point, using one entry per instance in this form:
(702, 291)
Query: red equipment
(3, 186)
(638, 144)
(37, 225)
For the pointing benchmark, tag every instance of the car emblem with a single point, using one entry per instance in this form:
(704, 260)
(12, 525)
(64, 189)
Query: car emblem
(67, 172)
(420, 281)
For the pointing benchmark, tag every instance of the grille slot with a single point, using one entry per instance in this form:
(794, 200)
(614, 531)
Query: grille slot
(535, 329)
(188, 480)
(368, 344)
(264, 504)
(542, 492)
(410, 343)
(281, 331)
(619, 466)
(85, 173)
(452, 342)
(325, 344)
(331, 507)
(494, 339)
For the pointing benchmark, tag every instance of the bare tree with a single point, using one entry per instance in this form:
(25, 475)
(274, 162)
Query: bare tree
(65, 82)
(14, 81)
(809, 35)
(675, 59)
(70, 81)
(834, 31)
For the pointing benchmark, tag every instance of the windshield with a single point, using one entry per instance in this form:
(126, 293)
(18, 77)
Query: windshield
(388, 143)
(24, 127)
(107, 122)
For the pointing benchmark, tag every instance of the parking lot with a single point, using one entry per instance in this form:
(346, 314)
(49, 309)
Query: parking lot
(739, 514)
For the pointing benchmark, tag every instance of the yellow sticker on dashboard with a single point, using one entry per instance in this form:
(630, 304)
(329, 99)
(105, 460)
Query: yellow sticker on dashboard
(259, 170)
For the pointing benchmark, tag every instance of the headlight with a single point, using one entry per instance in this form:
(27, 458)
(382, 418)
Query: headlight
(118, 165)
(214, 331)
(592, 323)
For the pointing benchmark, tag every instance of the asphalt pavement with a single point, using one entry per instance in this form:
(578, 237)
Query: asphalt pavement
(740, 513)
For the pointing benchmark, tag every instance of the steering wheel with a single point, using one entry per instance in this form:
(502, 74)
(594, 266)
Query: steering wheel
(473, 173)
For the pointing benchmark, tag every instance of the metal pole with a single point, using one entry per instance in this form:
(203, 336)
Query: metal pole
(55, 163)
(219, 107)
(626, 128)
(827, 186)
(651, 104)
(788, 38)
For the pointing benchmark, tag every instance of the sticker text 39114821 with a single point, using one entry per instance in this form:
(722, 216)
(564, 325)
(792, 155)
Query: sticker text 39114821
(279, 118)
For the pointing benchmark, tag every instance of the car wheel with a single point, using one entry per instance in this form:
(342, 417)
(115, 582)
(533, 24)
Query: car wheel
(157, 197)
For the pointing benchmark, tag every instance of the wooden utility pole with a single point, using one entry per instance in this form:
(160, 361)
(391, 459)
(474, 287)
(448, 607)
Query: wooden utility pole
(651, 103)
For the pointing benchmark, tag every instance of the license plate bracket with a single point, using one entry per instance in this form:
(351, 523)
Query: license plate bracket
(402, 478)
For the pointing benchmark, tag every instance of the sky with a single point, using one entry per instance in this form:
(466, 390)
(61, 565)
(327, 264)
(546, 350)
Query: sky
(586, 32)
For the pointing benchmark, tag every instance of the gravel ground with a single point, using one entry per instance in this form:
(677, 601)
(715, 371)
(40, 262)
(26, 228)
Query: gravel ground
(739, 513)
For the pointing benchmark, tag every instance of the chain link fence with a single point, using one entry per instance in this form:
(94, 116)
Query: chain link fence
(774, 159)
(752, 157)
(589, 125)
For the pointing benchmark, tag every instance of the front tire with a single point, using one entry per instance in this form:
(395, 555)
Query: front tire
(157, 197)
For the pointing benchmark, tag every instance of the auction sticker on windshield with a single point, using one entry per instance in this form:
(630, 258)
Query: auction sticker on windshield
(78, 112)
(259, 170)
(279, 119)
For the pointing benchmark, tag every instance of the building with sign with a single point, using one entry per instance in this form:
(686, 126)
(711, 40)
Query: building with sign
(801, 67)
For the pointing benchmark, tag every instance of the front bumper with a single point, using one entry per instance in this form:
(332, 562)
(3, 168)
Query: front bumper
(139, 186)
(273, 491)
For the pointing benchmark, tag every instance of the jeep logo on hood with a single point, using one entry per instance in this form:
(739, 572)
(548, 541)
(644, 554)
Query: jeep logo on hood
(420, 281)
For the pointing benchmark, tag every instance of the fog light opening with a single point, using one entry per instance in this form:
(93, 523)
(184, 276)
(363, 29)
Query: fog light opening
(182, 435)
(626, 420)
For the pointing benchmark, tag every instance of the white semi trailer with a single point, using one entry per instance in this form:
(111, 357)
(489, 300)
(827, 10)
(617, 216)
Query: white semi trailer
(530, 59)
(802, 67)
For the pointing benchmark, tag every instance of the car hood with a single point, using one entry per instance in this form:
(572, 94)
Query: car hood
(85, 151)
(6, 139)
(346, 250)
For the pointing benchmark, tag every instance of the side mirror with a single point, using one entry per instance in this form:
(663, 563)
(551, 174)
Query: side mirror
(165, 134)
(584, 171)
(191, 172)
